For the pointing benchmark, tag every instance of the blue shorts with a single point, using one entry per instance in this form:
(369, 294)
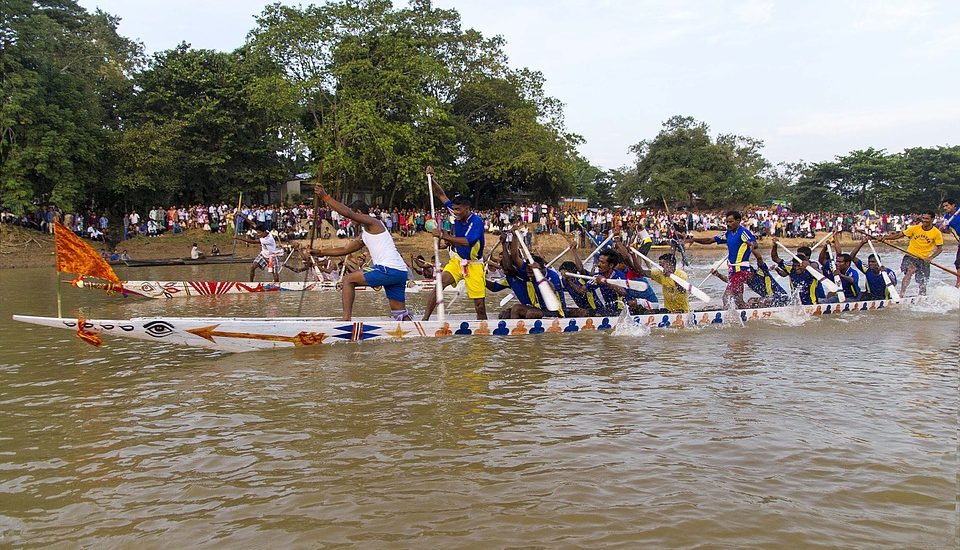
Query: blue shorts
(393, 281)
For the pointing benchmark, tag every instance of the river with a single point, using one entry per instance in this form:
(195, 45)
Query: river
(824, 432)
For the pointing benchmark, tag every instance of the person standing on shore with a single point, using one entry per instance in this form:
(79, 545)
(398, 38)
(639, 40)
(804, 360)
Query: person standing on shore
(926, 243)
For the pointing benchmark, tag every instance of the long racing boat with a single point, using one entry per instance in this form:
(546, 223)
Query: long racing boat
(251, 334)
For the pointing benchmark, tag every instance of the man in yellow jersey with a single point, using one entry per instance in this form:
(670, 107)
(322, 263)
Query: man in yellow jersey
(926, 243)
(675, 298)
(467, 260)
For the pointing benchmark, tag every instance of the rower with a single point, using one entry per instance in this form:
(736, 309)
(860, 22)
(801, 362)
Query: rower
(951, 224)
(388, 269)
(586, 299)
(422, 267)
(876, 287)
(466, 261)
(520, 284)
(640, 302)
(675, 299)
(801, 283)
(740, 244)
(841, 269)
(611, 295)
(269, 257)
(926, 243)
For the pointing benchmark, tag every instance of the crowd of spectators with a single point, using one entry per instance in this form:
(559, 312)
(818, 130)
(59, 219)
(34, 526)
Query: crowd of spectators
(293, 222)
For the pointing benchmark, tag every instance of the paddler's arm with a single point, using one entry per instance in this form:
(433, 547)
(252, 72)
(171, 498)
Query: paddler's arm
(373, 225)
(349, 248)
(756, 253)
(699, 240)
(856, 249)
(837, 249)
(936, 252)
(891, 237)
(509, 266)
(574, 284)
(774, 255)
(824, 257)
(450, 237)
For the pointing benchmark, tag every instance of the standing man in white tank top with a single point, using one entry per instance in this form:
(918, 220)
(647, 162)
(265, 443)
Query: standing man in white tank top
(388, 268)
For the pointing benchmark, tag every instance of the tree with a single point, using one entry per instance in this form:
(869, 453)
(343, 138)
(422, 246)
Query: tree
(683, 163)
(64, 71)
(192, 133)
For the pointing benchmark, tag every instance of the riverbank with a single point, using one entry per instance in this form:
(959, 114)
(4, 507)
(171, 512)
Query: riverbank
(20, 247)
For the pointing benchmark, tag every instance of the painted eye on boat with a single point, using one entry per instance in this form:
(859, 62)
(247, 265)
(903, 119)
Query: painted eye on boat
(158, 329)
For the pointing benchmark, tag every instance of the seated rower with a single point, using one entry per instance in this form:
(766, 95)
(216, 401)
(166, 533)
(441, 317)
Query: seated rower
(876, 287)
(422, 267)
(519, 279)
(640, 302)
(802, 284)
(388, 269)
(841, 270)
(675, 299)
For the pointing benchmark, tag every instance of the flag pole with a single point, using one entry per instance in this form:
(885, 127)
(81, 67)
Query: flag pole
(236, 224)
(56, 268)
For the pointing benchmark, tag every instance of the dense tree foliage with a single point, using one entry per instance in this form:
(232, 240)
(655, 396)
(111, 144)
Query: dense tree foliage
(375, 92)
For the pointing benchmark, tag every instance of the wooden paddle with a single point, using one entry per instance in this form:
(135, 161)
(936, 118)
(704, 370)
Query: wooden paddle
(713, 269)
(827, 283)
(549, 296)
(639, 286)
(560, 255)
(934, 264)
(680, 281)
(891, 288)
(841, 295)
(438, 270)
(820, 242)
(313, 235)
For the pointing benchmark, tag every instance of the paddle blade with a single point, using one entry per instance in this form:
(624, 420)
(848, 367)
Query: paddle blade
(829, 285)
(549, 296)
(506, 299)
(891, 288)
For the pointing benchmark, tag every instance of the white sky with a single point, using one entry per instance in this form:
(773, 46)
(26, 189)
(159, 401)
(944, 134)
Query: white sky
(813, 79)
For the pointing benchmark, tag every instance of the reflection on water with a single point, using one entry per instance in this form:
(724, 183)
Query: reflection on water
(837, 432)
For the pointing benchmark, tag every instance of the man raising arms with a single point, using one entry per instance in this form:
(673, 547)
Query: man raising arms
(467, 260)
(388, 268)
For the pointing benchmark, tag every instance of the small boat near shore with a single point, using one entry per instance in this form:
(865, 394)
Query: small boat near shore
(205, 260)
(240, 334)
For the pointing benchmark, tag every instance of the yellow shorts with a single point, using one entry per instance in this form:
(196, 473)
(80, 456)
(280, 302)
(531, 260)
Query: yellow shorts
(476, 282)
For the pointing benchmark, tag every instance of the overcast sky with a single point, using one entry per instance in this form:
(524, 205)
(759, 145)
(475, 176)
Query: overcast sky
(812, 79)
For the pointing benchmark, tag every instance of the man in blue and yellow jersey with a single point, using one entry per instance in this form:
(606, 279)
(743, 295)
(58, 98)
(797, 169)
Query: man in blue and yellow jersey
(926, 243)
(802, 283)
(951, 224)
(467, 260)
(740, 245)
(876, 287)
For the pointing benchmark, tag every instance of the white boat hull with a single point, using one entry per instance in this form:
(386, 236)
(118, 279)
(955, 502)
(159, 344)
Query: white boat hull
(251, 334)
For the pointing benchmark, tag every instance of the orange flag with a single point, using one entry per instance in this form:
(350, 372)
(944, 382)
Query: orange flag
(76, 256)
